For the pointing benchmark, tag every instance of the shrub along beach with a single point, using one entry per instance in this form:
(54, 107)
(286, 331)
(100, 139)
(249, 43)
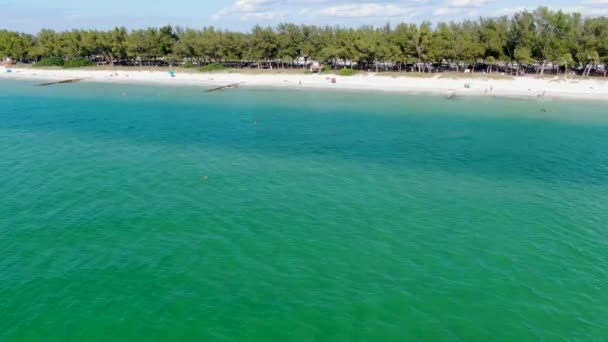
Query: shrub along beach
(542, 41)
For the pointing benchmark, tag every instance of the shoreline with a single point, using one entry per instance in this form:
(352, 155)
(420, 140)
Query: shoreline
(521, 88)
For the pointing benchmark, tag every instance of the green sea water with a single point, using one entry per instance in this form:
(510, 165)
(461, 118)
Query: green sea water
(322, 217)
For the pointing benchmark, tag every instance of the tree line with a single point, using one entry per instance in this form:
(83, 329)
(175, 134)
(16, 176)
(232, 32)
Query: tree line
(541, 40)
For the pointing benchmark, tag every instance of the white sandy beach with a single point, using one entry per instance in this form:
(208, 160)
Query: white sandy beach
(521, 87)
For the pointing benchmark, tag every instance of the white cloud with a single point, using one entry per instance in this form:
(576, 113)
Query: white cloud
(469, 8)
(250, 9)
(378, 11)
(588, 11)
(267, 15)
(443, 11)
(313, 9)
(507, 11)
(585, 10)
(591, 8)
(366, 10)
(468, 3)
(595, 2)
(252, 5)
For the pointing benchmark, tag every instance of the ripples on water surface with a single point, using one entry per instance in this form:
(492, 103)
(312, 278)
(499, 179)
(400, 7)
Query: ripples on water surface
(325, 216)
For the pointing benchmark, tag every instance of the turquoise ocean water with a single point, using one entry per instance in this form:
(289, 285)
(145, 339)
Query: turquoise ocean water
(324, 216)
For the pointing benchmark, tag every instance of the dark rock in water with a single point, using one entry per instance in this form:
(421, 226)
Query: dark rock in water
(60, 82)
(229, 86)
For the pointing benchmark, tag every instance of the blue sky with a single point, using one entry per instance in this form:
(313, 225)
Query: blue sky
(31, 15)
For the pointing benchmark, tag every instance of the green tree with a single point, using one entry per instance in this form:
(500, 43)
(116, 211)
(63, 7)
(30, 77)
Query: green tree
(542, 36)
(494, 34)
(263, 44)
